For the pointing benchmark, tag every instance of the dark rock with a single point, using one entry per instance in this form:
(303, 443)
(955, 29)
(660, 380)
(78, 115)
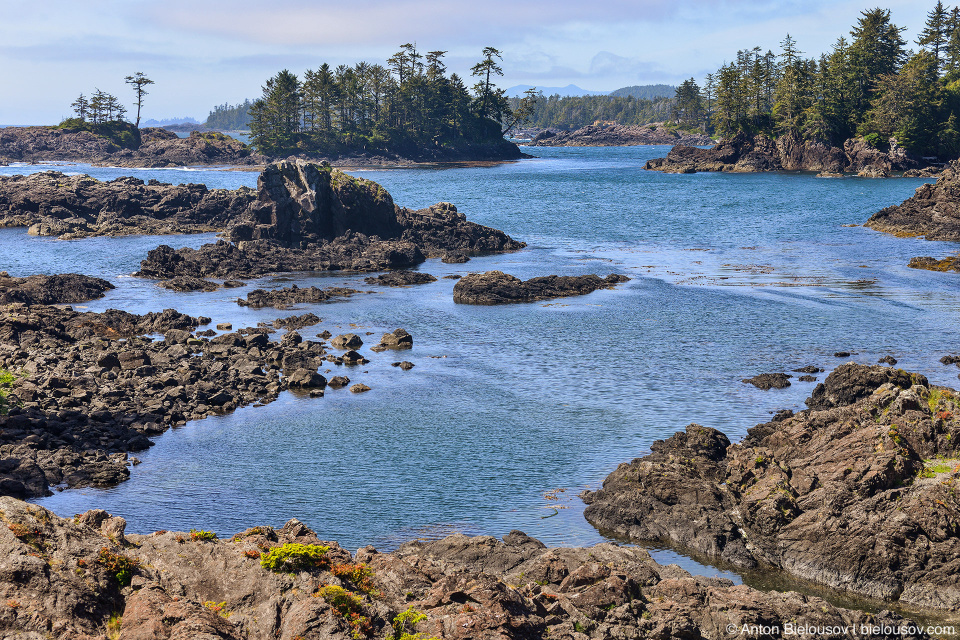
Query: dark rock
(187, 283)
(807, 378)
(347, 341)
(287, 296)
(932, 211)
(306, 379)
(767, 381)
(338, 381)
(842, 354)
(359, 388)
(836, 495)
(405, 365)
(401, 278)
(294, 323)
(352, 357)
(452, 276)
(233, 284)
(397, 339)
(950, 360)
(887, 360)
(455, 258)
(927, 263)
(496, 287)
(57, 289)
(808, 369)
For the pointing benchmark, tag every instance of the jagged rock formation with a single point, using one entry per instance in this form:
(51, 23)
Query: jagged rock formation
(497, 287)
(618, 135)
(55, 289)
(176, 585)
(158, 148)
(314, 217)
(54, 204)
(858, 493)
(288, 296)
(743, 153)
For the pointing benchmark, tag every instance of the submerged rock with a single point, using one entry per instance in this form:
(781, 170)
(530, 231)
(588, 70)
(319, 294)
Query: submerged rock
(767, 381)
(497, 287)
(841, 494)
(401, 278)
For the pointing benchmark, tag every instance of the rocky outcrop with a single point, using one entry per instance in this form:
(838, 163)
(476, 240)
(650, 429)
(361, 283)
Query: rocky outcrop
(91, 579)
(54, 204)
(314, 217)
(497, 287)
(401, 278)
(933, 211)
(767, 381)
(857, 493)
(158, 148)
(55, 289)
(91, 387)
(950, 263)
(744, 154)
(288, 296)
(617, 135)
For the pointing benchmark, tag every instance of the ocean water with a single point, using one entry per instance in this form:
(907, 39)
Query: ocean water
(512, 411)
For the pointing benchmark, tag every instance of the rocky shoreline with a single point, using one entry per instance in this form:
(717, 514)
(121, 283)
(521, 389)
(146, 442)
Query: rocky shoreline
(857, 493)
(746, 154)
(497, 287)
(86, 578)
(96, 386)
(617, 135)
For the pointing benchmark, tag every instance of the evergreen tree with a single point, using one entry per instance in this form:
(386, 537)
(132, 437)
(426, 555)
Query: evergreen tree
(80, 107)
(138, 81)
(935, 35)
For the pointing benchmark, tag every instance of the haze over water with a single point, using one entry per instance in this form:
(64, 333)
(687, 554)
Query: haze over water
(733, 275)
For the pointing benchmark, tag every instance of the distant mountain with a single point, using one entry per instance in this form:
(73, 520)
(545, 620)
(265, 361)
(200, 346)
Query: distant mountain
(569, 90)
(646, 91)
(161, 123)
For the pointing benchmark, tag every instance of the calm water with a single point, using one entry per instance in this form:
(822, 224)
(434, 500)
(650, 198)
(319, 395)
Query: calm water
(733, 275)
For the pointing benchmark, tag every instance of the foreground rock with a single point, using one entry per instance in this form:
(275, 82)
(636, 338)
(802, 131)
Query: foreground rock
(933, 211)
(170, 585)
(857, 493)
(743, 153)
(56, 289)
(497, 287)
(55, 204)
(314, 217)
(617, 135)
(157, 148)
(94, 387)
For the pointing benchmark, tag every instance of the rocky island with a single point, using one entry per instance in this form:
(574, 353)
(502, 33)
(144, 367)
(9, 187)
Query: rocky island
(744, 153)
(858, 492)
(618, 135)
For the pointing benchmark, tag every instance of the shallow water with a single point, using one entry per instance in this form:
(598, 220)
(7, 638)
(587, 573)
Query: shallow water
(733, 275)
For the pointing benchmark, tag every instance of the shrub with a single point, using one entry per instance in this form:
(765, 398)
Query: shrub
(350, 606)
(6, 383)
(202, 535)
(294, 556)
(357, 574)
(121, 566)
(404, 625)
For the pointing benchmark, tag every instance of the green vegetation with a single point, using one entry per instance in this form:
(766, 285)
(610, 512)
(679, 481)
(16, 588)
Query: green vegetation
(350, 606)
(294, 557)
(121, 566)
(869, 86)
(230, 117)
(410, 107)
(138, 81)
(573, 112)
(6, 383)
(404, 625)
(122, 134)
(200, 535)
(114, 625)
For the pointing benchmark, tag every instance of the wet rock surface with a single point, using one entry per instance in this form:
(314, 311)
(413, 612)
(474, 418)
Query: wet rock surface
(182, 585)
(745, 154)
(933, 211)
(857, 493)
(617, 135)
(158, 148)
(310, 217)
(497, 287)
(92, 387)
(55, 289)
(289, 296)
(52, 203)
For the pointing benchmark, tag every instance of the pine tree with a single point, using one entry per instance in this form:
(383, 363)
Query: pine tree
(80, 106)
(138, 81)
(935, 35)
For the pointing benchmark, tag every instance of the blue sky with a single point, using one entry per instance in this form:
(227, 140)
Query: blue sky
(206, 52)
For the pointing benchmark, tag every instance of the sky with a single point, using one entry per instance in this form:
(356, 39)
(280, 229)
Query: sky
(201, 53)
